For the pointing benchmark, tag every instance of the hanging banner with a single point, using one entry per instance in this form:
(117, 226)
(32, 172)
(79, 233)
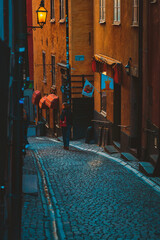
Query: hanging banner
(107, 83)
(88, 89)
(118, 73)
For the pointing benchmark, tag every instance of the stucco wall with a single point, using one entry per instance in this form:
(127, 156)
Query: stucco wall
(118, 42)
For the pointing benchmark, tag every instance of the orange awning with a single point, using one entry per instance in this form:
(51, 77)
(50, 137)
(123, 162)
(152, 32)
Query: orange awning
(105, 59)
(101, 62)
(42, 102)
(36, 96)
(52, 101)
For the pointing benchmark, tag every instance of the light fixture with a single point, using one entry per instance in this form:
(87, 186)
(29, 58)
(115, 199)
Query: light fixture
(128, 66)
(41, 16)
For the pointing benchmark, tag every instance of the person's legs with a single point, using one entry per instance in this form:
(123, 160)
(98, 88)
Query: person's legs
(68, 135)
(64, 133)
(25, 128)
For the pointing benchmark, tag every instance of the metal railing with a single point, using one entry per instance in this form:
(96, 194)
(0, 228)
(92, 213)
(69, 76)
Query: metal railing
(78, 83)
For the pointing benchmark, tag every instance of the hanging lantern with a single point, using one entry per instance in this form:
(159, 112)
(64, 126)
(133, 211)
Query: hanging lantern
(41, 14)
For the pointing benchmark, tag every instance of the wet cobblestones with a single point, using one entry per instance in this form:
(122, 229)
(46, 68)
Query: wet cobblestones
(34, 218)
(97, 198)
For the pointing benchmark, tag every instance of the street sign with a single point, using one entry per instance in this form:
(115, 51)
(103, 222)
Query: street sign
(79, 58)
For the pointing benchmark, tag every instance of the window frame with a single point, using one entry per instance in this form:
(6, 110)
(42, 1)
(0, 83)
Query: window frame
(102, 110)
(135, 13)
(52, 11)
(44, 66)
(102, 11)
(62, 11)
(53, 70)
(117, 12)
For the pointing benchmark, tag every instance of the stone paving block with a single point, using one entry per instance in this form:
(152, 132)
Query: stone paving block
(110, 149)
(146, 168)
(128, 156)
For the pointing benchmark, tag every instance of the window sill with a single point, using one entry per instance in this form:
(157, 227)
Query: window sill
(104, 114)
(116, 24)
(62, 21)
(102, 22)
(52, 20)
(135, 25)
(53, 87)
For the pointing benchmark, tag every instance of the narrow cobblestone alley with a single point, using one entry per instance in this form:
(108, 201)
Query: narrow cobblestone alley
(84, 195)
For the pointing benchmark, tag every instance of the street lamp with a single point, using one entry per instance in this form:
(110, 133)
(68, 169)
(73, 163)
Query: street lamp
(41, 16)
(128, 66)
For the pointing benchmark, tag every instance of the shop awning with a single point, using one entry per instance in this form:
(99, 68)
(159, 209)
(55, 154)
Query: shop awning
(102, 63)
(42, 102)
(52, 101)
(62, 65)
(36, 96)
(105, 59)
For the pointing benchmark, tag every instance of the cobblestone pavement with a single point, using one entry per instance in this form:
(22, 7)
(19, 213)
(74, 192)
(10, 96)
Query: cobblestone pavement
(92, 196)
(35, 218)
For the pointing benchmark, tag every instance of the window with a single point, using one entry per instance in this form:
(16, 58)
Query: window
(102, 11)
(44, 66)
(117, 11)
(103, 102)
(135, 21)
(53, 70)
(52, 10)
(62, 10)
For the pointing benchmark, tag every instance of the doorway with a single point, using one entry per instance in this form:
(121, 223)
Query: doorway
(134, 113)
(117, 113)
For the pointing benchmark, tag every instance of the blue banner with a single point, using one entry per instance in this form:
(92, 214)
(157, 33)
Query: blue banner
(88, 89)
(107, 83)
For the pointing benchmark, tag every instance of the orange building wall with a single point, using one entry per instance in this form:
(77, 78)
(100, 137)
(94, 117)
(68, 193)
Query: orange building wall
(52, 40)
(118, 42)
(81, 30)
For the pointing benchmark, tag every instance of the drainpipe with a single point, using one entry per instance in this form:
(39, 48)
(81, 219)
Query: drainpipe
(157, 167)
(139, 134)
(68, 86)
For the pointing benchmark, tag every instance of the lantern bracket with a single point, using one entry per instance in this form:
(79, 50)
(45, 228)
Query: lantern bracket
(34, 27)
(41, 19)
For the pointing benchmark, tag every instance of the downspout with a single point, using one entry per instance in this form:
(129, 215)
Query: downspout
(139, 134)
(68, 86)
(156, 172)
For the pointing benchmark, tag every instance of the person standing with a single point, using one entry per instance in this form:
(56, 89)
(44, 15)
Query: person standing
(66, 124)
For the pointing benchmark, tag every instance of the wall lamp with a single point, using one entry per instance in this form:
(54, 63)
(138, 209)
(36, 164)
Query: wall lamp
(41, 16)
(128, 66)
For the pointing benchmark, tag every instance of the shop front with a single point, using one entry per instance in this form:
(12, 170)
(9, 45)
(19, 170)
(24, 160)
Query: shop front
(107, 113)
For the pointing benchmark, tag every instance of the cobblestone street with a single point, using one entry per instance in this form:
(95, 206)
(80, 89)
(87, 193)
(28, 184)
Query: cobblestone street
(83, 194)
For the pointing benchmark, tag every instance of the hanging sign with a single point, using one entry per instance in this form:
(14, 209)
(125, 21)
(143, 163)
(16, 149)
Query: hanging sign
(107, 83)
(79, 58)
(88, 89)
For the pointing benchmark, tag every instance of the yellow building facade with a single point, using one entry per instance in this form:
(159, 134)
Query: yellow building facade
(49, 54)
(116, 29)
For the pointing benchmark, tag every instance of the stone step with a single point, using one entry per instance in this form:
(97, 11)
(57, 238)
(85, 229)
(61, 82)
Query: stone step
(128, 156)
(31, 131)
(110, 149)
(29, 184)
(154, 157)
(146, 168)
(117, 145)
